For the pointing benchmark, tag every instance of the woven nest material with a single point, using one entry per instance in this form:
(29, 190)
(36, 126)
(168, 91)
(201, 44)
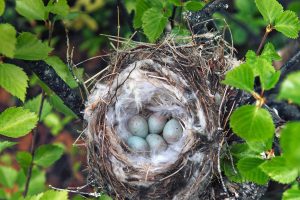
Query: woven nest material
(176, 80)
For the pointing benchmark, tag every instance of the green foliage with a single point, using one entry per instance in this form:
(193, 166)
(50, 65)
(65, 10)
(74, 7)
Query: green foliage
(154, 22)
(31, 9)
(34, 106)
(249, 168)
(291, 194)
(6, 144)
(289, 142)
(59, 7)
(8, 176)
(252, 123)
(279, 170)
(269, 53)
(288, 23)
(17, 122)
(8, 40)
(14, 80)
(24, 159)
(270, 9)
(193, 5)
(50, 195)
(2, 7)
(46, 155)
(289, 89)
(30, 48)
(62, 70)
(141, 7)
(241, 77)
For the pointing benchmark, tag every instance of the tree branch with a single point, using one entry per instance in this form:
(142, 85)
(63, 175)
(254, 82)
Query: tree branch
(48, 75)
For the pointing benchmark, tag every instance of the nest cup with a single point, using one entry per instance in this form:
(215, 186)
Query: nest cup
(180, 81)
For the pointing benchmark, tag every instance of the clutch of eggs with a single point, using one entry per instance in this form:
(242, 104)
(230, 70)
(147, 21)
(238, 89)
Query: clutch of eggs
(153, 134)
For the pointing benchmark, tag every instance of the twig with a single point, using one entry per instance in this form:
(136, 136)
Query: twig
(32, 149)
(268, 30)
(290, 63)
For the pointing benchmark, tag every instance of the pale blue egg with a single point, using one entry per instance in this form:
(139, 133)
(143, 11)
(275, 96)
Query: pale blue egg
(172, 131)
(138, 144)
(156, 143)
(138, 126)
(156, 123)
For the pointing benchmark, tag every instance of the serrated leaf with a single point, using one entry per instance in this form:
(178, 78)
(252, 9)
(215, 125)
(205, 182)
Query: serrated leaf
(55, 195)
(260, 146)
(291, 194)
(279, 170)
(2, 7)
(241, 77)
(249, 168)
(154, 22)
(289, 142)
(24, 159)
(31, 9)
(34, 106)
(6, 144)
(288, 23)
(48, 154)
(269, 53)
(30, 48)
(62, 70)
(8, 40)
(251, 57)
(267, 74)
(194, 5)
(14, 80)
(59, 7)
(289, 89)
(8, 176)
(269, 9)
(252, 123)
(17, 122)
(241, 151)
(141, 7)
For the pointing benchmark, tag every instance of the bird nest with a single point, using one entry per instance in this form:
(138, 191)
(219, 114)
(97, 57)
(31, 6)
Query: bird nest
(177, 79)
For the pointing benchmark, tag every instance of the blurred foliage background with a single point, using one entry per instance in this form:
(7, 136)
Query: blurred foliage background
(87, 23)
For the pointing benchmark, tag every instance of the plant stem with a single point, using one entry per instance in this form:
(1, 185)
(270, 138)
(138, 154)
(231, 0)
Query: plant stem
(268, 30)
(33, 143)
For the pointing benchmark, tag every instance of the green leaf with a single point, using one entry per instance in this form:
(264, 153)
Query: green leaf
(141, 7)
(245, 7)
(231, 174)
(55, 195)
(269, 9)
(240, 77)
(194, 5)
(252, 123)
(34, 106)
(59, 7)
(14, 80)
(289, 89)
(288, 23)
(279, 170)
(249, 168)
(31, 9)
(37, 181)
(30, 48)
(8, 176)
(2, 7)
(48, 154)
(154, 22)
(240, 151)
(267, 74)
(6, 144)
(291, 194)
(289, 142)
(59, 105)
(8, 40)
(17, 122)
(24, 159)
(261, 146)
(251, 57)
(269, 53)
(62, 70)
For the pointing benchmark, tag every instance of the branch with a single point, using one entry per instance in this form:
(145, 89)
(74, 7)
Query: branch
(48, 75)
(290, 64)
(198, 20)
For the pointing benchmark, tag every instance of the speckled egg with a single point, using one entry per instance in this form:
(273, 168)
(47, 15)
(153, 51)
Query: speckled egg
(138, 126)
(156, 143)
(156, 123)
(137, 144)
(172, 131)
